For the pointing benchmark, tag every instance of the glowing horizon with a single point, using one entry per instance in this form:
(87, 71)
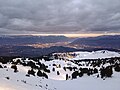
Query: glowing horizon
(70, 35)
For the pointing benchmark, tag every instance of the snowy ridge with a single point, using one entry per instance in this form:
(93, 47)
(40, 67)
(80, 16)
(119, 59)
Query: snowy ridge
(80, 55)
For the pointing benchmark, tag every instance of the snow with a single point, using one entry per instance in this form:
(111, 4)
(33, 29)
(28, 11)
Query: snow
(19, 80)
(94, 55)
(84, 83)
(90, 83)
(53, 75)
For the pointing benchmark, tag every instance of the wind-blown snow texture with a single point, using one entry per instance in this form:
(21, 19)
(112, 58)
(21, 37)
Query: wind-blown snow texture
(19, 81)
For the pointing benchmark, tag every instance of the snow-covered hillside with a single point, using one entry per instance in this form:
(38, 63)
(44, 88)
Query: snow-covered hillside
(80, 55)
(96, 54)
(18, 81)
(63, 73)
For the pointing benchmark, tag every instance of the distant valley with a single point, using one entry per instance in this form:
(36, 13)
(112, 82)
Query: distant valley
(33, 46)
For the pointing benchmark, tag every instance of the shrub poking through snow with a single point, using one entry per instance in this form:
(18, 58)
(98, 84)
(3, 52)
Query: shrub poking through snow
(106, 72)
(42, 74)
(58, 73)
(1, 66)
(67, 76)
(117, 68)
(75, 74)
(31, 72)
(14, 67)
(53, 69)
(47, 70)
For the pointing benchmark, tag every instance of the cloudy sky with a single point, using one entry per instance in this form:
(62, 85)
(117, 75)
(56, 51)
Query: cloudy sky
(59, 16)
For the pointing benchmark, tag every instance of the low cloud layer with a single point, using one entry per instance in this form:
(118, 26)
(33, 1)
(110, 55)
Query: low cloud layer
(59, 16)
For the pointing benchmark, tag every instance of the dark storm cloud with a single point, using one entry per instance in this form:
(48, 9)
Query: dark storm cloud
(59, 16)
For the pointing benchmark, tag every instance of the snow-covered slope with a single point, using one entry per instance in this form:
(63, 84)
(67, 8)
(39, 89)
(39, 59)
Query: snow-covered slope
(18, 81)
(62, 63)
(10, 80)
(96, 54)
(80, 55)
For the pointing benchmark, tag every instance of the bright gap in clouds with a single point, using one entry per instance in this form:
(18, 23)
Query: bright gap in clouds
(71, 35)
(67, 35)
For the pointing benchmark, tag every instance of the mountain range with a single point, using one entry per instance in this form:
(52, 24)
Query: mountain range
(29, 39)
(106, 41)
